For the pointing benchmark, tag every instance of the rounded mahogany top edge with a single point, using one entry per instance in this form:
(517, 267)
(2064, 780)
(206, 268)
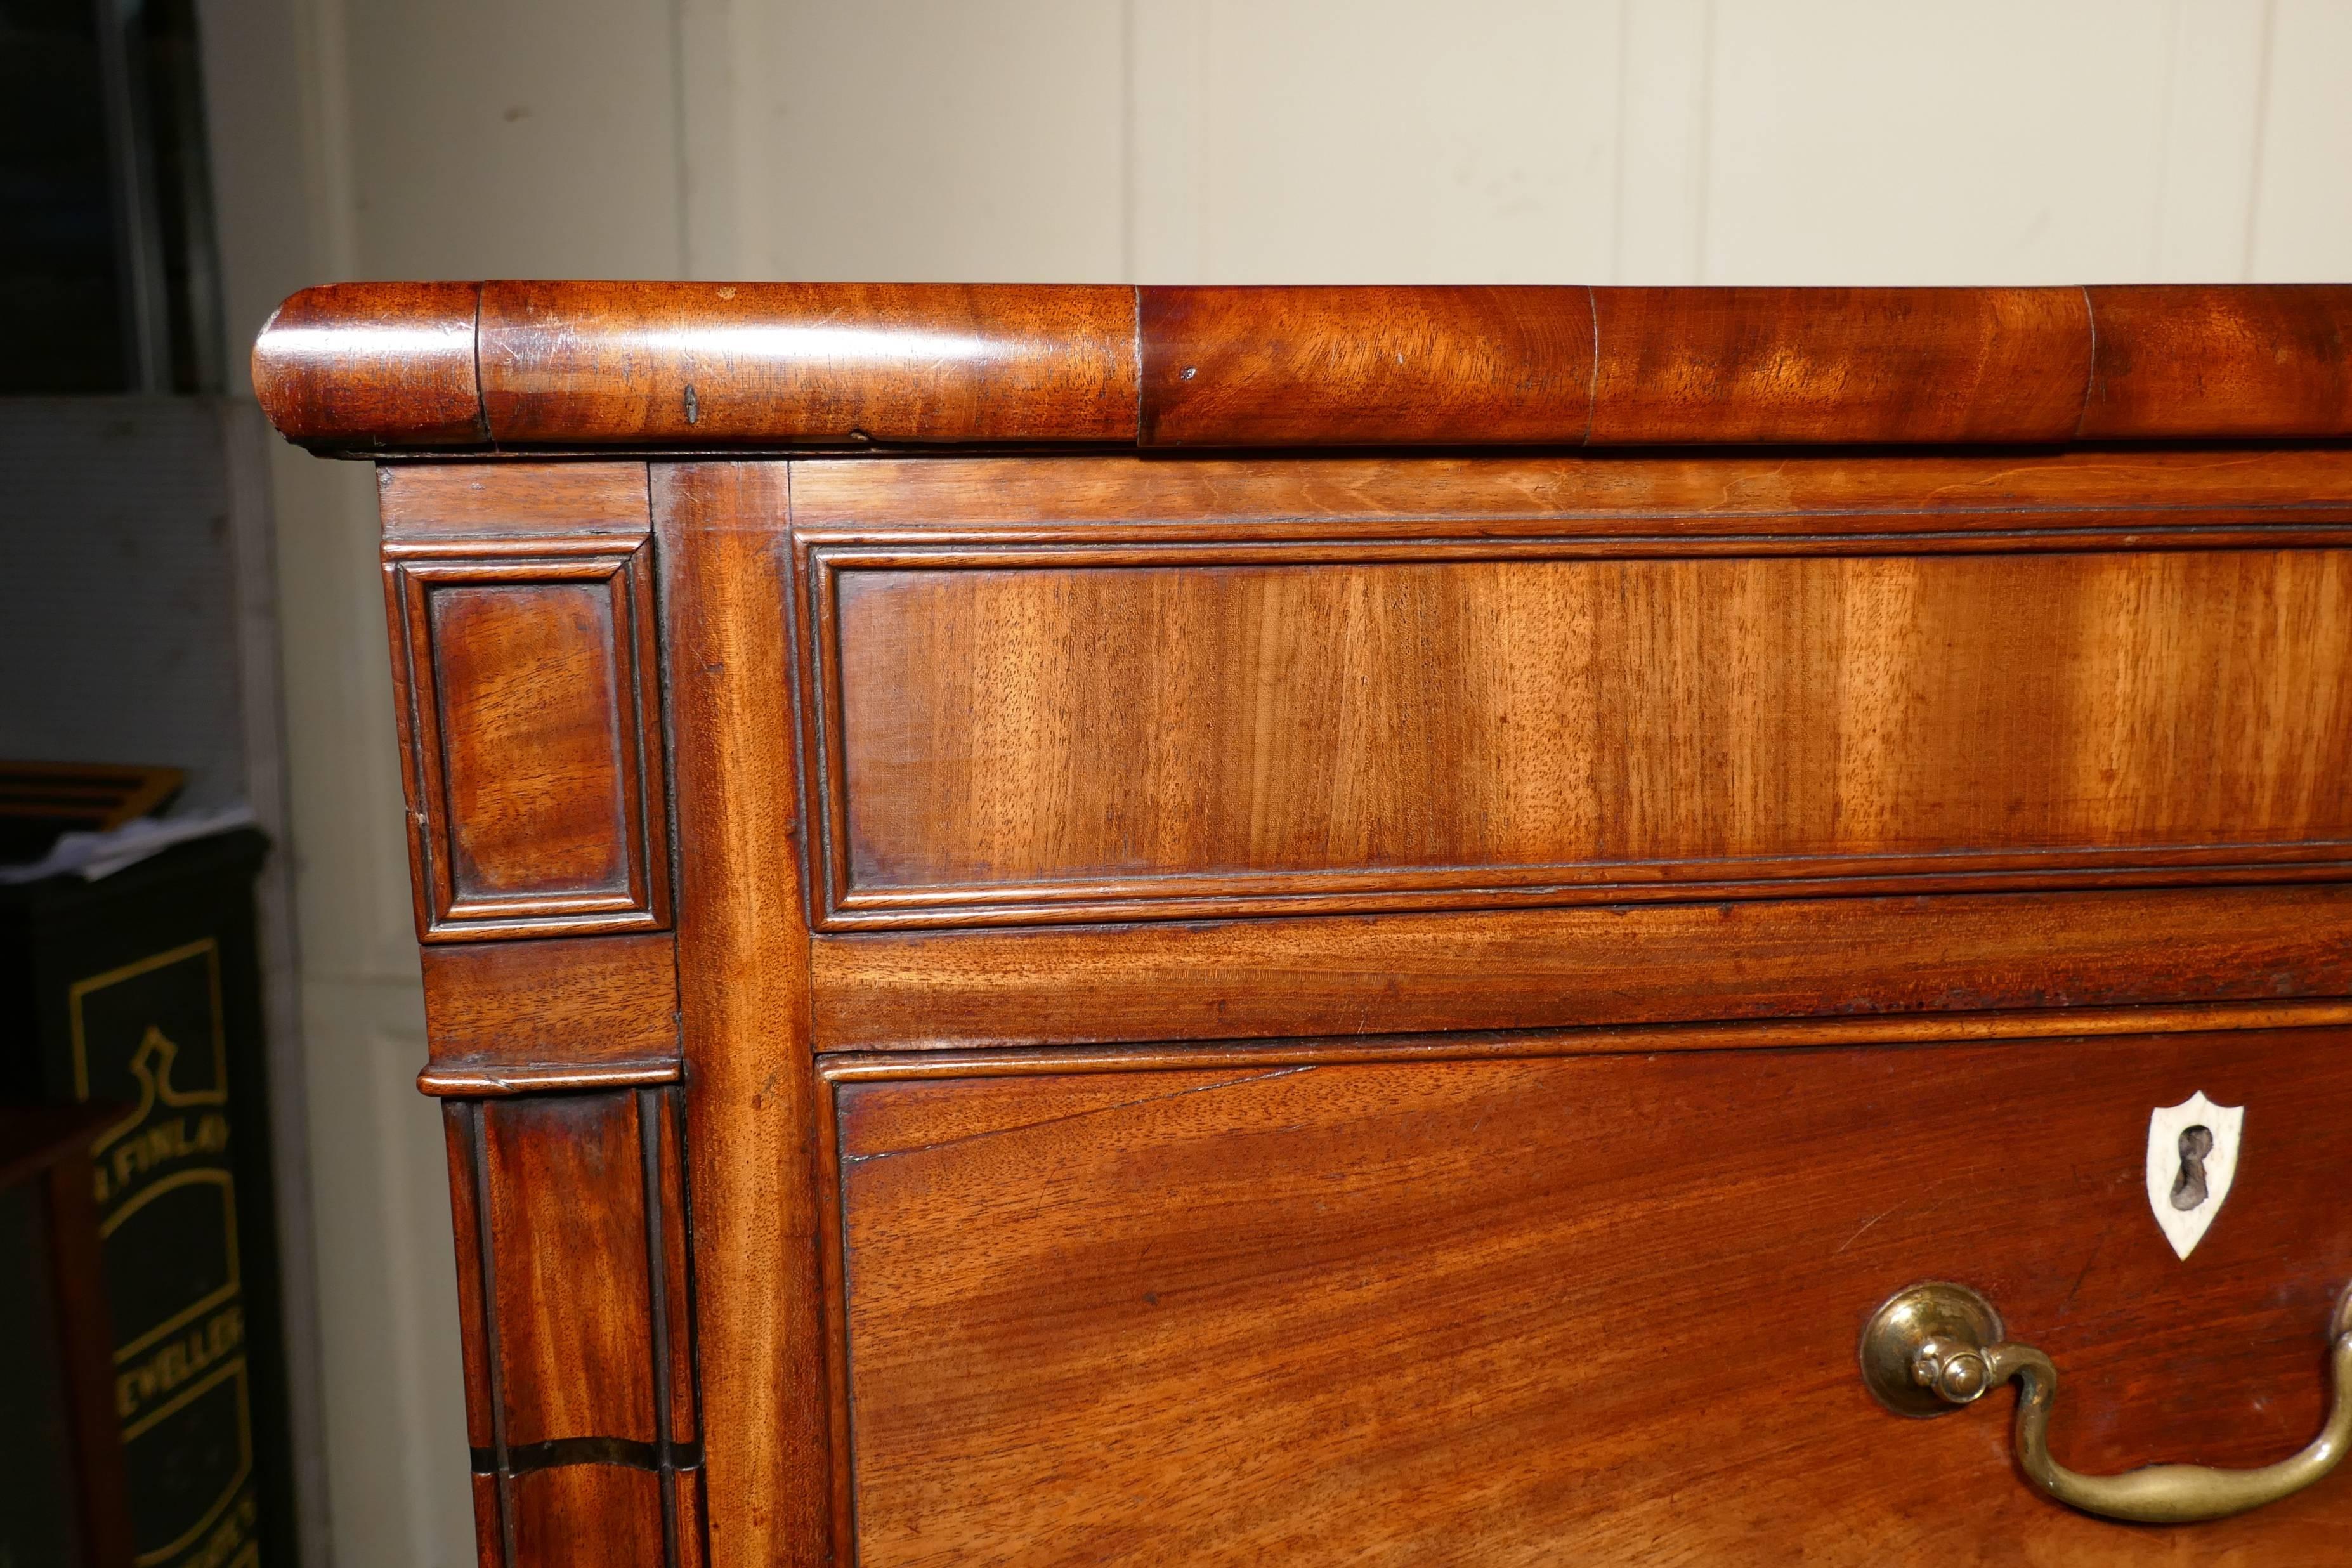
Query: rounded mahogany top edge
(671, 366)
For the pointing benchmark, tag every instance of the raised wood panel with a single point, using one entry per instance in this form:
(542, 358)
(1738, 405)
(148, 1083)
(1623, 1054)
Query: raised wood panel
(1561, 968)
(530, 721)
(526, 686)
(577, 1317)
(571, 1291)
(1600, 1309)
(1167, 731)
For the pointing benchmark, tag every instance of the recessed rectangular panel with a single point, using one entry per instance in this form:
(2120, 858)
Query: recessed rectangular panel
(1172, 731)
(531, 719)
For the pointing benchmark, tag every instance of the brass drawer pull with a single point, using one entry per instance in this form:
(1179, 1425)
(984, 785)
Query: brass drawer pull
(1937, 1346)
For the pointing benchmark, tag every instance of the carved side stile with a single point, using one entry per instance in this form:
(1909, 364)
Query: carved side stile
(521, 612)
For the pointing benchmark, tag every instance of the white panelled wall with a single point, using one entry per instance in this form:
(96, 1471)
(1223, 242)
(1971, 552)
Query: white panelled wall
(1153, 141)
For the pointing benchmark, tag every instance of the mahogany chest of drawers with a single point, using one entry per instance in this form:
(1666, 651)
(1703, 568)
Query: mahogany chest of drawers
(1377, 926)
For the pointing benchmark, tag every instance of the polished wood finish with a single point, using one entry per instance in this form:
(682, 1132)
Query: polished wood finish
(1645, 1039)
(460, 1125)
(1292, 939)
(521, 500)
(1600, 1309)
(744, 980)
(373, 365)
(670, 1245)
(45, 1167)
(530, 716)
(1666, 962)
(696, 365)
(2190, 361)
(571, 1240)
(514, 1012)
(1622, 503)
(673, 363)
(569, 1288)
(1780, 366)
(1287, 367)
(1167, 729)
(551, 1508)
(464, 1079)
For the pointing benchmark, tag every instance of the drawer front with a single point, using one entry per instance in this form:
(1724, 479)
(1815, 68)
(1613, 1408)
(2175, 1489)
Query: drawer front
(1188, 729)
(1598, 1308)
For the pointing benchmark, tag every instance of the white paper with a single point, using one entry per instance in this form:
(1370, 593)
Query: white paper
(90, 856)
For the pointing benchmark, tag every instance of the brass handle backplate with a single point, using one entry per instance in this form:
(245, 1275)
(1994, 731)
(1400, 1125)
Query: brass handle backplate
(1935, 1347)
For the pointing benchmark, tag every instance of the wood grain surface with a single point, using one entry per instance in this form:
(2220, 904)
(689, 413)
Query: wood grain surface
(589, 1516)
(1283, 367)
(513, 1007)
(373, 365)
(531, 728)
(1195, 736)
(1579, 967)
(2200, 359)
(687, 364)
(1600, 1309)
(674, 1333)
(1311, 1049)
(567, 1225)
(668, 367)
(482, 501)
(1602, 1039)
(1818, 364)
(768, 1414)
(460, 1126)
(577, 1321)
(1887, 501)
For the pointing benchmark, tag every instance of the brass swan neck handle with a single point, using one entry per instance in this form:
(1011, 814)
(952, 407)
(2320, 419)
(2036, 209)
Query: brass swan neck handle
(1937, 1346)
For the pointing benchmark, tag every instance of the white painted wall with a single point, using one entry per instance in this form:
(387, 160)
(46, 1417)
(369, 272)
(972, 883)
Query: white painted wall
(1210, 141)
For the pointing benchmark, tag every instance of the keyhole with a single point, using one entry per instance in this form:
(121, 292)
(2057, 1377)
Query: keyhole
(2189, 1187)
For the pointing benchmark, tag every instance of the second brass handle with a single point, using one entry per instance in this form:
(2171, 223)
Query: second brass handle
(1938, 1346)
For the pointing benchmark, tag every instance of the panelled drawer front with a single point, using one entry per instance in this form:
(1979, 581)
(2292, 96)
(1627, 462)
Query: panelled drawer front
(1597, 1308)
(1184, 728)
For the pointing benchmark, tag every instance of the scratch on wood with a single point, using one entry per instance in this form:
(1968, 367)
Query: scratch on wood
(1076, 1115)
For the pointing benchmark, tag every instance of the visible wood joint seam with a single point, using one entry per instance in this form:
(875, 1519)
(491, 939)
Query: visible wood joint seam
(555, 1453)
(2091, 373)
